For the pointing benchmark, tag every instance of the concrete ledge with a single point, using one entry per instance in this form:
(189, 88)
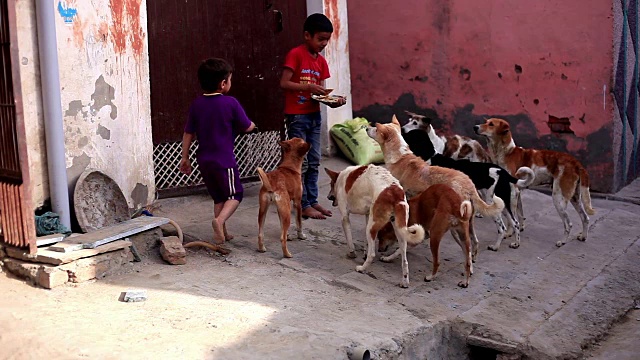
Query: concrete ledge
(51, 276)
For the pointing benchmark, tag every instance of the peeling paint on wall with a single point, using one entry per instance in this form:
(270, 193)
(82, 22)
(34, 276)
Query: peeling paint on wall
(136, 32)
(140, 195)
(103, 132)
(117, 29)
(103, 95)
(331, 10)
(75, 108)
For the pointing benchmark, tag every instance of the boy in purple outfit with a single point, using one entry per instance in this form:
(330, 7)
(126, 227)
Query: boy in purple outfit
(215, 119)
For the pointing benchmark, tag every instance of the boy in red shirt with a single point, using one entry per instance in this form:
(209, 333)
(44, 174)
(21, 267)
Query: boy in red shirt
(305, 71)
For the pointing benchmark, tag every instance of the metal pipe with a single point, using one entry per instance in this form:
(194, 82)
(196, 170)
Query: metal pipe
(52, 108)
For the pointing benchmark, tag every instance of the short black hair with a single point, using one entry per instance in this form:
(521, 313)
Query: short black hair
(317, 23)
(212, 72)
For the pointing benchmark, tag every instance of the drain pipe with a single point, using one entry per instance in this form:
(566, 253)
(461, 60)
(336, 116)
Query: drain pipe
(52, 106)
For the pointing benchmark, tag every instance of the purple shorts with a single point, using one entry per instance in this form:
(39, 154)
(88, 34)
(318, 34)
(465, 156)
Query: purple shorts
(222, 184)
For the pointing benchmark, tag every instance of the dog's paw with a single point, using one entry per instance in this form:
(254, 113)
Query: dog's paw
(581, 237)
(404, 284)
(287, 255)
(478, 215)
(360, 269)
(429, 278)
(262, 249)
(386, 259)
(351, 255)
(493, 247)
(560, 243)
(463, 283)
(514, 245)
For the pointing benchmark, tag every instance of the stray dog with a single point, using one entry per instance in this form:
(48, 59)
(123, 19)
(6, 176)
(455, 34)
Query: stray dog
(570, 180)
(282, 186)
(489, 178)
(372, 191)
(456, 147)
(416, 175)
(439, 209)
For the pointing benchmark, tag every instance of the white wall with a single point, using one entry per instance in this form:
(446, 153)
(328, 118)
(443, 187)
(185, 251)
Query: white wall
(104, 75)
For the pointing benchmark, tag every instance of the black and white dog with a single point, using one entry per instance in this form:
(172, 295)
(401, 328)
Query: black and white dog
(485, 176)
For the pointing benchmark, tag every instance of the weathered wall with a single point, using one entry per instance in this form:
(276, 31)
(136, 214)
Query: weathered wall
(104, 75)
(461, 61)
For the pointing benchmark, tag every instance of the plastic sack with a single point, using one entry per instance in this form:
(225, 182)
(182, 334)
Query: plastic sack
(352, 139)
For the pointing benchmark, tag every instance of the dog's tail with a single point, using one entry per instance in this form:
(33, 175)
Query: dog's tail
(213, 247)
(484, 208)
(585, 195)
(264, 179)
(413, 234)
(525, 176)
(466, 210)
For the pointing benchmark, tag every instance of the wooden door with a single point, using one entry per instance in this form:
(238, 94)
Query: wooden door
(253, 35)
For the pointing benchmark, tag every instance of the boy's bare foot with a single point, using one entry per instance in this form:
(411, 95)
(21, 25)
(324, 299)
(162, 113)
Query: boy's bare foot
(322, 210)
(227, 236)
(310, 212)
(218, 233)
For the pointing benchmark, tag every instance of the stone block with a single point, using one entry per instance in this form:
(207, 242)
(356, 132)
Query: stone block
(46, 276)
(97, 266)
(172, 251)
(135, 296)
(51, 276)
(146, 241)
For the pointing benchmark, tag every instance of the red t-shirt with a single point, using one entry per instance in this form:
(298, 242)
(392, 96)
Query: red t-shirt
(306, 69)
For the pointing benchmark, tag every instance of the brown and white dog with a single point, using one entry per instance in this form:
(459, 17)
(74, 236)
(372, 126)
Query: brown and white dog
(372, 191)
(570, 180)
(416, 175)
(282, 186)
(438, 209)
(456, 147)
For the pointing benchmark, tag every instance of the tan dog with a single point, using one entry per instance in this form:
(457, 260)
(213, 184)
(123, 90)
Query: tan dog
(416, 175)
(372, 191)
(438, 209)
(282, 186)
(570, 180)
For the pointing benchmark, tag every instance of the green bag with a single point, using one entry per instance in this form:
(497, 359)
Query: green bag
(352, 139)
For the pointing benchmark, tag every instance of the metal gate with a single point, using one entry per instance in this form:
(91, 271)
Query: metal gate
(254, 36)
(17, 225)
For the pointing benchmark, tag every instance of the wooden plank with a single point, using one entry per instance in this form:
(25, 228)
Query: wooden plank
(109, 233)
(49, 239)
(45, 255)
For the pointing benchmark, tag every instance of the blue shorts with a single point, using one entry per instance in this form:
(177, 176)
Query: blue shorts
(222, 184)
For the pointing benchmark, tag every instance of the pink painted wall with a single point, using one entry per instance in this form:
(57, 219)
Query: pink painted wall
(460, 61)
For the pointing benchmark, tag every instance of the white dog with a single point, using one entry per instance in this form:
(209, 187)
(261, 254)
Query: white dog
(372, 191)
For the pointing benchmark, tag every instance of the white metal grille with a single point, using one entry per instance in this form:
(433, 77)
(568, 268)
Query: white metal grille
(251, 150)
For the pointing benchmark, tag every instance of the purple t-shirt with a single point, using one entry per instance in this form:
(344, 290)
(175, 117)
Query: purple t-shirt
(216, 120)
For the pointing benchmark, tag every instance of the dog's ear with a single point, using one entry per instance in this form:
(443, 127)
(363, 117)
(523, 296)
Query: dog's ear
(381, 131)
(285, 145)
(414, 115)
(304, 149)
(394, 120)
(504, 129)
(332, 174)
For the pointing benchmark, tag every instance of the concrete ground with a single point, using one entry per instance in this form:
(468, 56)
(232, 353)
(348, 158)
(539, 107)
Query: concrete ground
(538, 301)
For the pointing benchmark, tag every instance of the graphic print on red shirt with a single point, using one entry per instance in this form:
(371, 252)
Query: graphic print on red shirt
(306, 69)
